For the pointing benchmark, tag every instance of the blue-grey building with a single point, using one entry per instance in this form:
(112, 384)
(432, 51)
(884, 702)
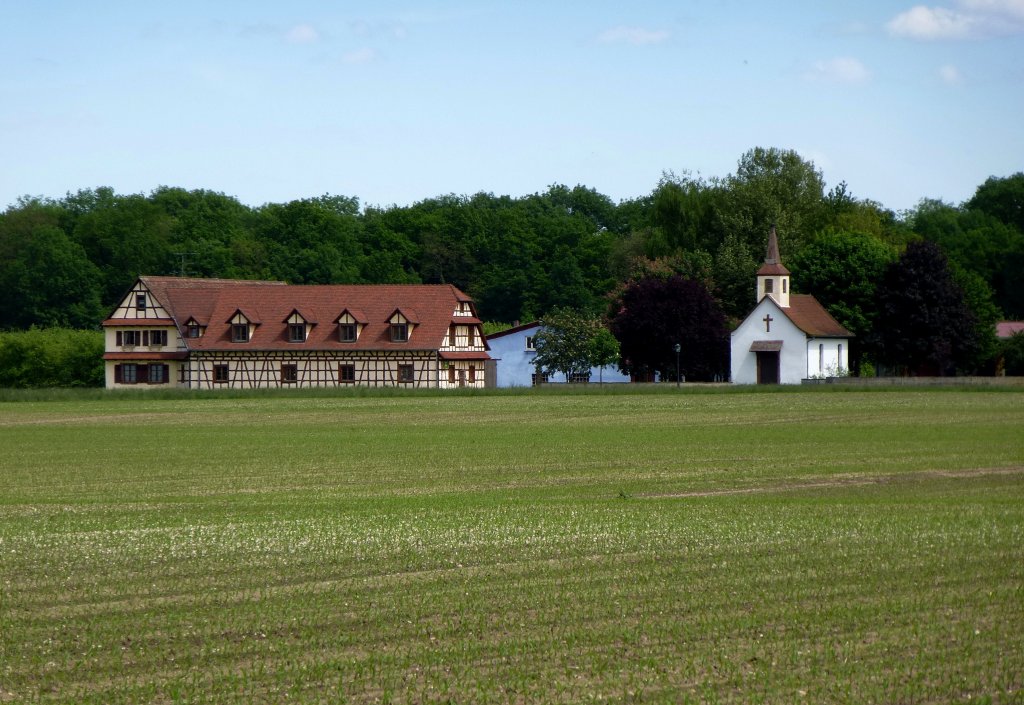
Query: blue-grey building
(514, 354)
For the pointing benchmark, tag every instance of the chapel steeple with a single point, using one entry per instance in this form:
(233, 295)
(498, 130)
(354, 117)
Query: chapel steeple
(772, 277)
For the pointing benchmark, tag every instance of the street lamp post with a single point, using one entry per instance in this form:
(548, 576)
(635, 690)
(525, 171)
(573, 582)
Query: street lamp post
(678, 348)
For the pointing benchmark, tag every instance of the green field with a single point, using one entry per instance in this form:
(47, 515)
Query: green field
(811, 546)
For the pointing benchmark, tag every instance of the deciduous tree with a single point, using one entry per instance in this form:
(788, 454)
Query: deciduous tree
(652, 315)
(924, 325)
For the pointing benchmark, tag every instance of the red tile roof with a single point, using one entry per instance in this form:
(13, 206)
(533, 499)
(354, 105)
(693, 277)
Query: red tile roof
(812, 318)
(270, 303)
(1006, 329)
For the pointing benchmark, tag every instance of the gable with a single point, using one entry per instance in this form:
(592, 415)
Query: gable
(139, 304)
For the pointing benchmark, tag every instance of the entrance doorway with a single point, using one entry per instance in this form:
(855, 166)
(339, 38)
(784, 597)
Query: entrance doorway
(768, 367)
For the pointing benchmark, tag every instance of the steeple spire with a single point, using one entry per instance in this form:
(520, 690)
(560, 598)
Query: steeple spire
(773, 277)
(772, 257)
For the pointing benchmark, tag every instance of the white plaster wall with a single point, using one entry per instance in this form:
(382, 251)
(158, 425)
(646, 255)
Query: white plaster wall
(793, 357)
(832, 358)
(516, 364)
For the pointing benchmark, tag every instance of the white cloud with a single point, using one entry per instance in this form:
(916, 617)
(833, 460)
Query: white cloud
(632, 35)
(971, 19)
(302, 34)
(842, 69)
(950, 75)
(359, 56)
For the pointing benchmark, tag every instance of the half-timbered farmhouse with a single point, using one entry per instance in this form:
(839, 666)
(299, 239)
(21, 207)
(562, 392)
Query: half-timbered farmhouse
(218, 333)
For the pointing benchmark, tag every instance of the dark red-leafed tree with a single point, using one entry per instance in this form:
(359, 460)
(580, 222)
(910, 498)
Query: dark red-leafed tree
(652, 315)
(924, 326)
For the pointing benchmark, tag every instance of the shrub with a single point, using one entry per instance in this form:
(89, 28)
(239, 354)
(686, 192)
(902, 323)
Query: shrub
(51, 357)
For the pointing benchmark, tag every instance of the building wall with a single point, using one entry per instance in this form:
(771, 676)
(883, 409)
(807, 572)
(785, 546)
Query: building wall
(827, 357)
(792, 357)
(251, 370)
(516, 361)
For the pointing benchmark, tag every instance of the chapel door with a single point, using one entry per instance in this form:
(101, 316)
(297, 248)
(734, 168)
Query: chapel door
(768, 367)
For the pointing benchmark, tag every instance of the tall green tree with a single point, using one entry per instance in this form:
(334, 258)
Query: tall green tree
(45, 277)
(773, 186)
(843, 272)
(924, 325)
(651, 316)
(569, 342)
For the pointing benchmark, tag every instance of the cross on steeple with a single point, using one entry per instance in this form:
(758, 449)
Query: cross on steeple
(768, 323)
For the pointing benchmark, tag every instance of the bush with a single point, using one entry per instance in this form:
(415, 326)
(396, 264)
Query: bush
(51, 357)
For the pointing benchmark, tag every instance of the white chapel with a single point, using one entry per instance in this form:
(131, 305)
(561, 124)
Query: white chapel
(787, 337)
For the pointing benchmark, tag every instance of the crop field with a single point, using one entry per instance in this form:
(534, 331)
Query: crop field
(736, 546)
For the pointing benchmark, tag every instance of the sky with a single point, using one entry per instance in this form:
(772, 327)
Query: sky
(396, 102)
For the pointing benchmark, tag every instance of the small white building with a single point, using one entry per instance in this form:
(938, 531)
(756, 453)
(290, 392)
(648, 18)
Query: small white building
(516, 356)
(787, 337)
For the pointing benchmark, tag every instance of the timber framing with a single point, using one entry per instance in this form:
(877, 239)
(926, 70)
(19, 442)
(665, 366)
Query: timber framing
(223, 334)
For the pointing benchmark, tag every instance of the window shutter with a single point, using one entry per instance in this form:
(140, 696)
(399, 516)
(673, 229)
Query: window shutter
(145, 337)
(117, 368)
(119, 339)
(142, 373)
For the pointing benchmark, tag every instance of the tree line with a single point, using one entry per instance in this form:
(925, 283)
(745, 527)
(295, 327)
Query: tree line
(65, 262)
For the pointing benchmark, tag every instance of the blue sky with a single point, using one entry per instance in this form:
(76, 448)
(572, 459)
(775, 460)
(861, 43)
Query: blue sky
(397, 102)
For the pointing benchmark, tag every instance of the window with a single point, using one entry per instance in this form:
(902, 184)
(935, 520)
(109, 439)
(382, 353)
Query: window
(239, 333)
(221, 374)
(346, 374)
(399, 332)
(127, 373)
(579, 377)
(784, 285)
(536, 379)
(406, 374)
(154, 337)
(158, 374)
(192, 331)
(129, 337)
(529, 343)
(769, 285)
(472, 372)
(347, 332)
(472, 336)
(296, 333)
(451, 374)
(140, 302)
(451, 336)
(289, 374)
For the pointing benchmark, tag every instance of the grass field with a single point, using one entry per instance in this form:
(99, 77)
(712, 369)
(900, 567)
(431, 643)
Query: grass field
(800, 546)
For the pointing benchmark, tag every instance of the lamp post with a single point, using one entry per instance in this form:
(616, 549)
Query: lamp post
(678, 348)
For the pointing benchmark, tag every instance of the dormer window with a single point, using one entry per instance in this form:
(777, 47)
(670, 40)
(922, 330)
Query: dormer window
(402, 323)
(349, 324)
(140, 302)
(298, 327)
(241, 327)
(193, 329)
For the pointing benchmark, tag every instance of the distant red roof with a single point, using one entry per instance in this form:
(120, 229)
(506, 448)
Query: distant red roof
(430, 306)
(1007, 329)
(812, 318)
